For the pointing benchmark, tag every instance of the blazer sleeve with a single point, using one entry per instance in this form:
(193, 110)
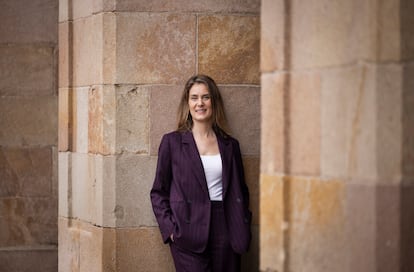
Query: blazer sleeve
(160, 192)
(240, 169)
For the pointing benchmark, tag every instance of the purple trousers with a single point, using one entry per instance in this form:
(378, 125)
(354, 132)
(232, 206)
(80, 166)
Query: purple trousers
(218, 256)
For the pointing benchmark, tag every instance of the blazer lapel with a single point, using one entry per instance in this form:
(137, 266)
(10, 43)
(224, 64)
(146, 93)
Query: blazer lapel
(190, 151)
(226, 155)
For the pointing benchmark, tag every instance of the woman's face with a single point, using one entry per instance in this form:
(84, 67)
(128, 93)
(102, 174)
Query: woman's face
(199, 102)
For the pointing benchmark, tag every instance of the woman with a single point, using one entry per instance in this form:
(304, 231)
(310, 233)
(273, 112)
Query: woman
(199, 195)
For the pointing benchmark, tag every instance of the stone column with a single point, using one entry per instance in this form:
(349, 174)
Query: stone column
(337, 134)
(28, 135)
(123, 65)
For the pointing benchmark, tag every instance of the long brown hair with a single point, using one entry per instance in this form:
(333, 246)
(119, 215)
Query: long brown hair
(185, 121)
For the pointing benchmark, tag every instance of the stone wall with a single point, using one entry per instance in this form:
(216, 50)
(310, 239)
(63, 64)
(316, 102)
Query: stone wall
(337, 136)
(28, 135)
(122, 67)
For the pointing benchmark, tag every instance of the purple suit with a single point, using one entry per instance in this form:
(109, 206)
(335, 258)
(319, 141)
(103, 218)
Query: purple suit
(180, 197)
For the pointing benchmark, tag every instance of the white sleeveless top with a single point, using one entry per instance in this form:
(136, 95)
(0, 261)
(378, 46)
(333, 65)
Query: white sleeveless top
(213, 171)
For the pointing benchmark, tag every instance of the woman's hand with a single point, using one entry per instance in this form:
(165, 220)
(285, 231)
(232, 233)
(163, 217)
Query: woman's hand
(172, 237)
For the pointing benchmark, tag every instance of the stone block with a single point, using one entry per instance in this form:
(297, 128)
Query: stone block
(27, 22)
(132, 124)
(155, 48)
(28, 221)
(27, 70)
(80, 119)
(389, 226)
(65, 179)
(229, 48)
(273, 114)
(34, 259)
(142, 248)
(65, 54)
(348, 123)
(242, 106)
(324, 33)
(251, 171)
(303, 125)
(361, 226)
(316, 218)
(102, 116)
(85, 247)
(26, 172)
(135, 176)
(407, 31)
(92, 189)
(408, 121)
(28, 121)
(389, 118)
(87, 58)
(273, 35)
(272, 223)
(64, 10)
(232, 6)
(65, 119)
(407, 225)
(164, 101)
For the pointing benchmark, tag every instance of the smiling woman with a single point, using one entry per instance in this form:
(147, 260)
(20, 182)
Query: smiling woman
(199, 191)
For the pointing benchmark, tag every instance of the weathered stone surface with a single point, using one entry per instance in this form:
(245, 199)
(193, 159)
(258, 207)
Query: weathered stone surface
(85, 247)
(249, 6)
(25, 21)
(28, 121)
(303, 123)
(64, 177)
(317, 224)
(155, 48)
(88, 52)
(80, 119)
(273, 107)
(272, 223)
(229, 48)
(132, 124)
(65, 119)
(406, 28)
(102, 116)
(92, 189)
(348, 123)
(272, 35)
(135, 176)
(408, 121)
(26, 172)
(389, 129)
(27, 70)
(34, 259)
(407, 224)
(164, 101)
(242, 106)
(328, 33)
(139, 248)
(65, 54)
(28, 221)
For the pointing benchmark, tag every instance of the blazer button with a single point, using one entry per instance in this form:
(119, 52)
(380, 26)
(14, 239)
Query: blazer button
(238, 200)
(246, 220)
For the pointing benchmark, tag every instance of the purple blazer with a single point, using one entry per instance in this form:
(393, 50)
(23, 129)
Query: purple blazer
(180, 197)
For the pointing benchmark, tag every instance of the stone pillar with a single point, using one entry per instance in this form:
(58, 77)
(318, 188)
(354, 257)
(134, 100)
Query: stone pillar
(123, 65)
(28, 135)
(336, 188)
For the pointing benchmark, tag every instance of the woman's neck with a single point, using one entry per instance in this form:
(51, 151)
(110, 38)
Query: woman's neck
(203, 130)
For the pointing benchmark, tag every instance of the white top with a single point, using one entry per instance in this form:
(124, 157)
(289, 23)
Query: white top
(213, 170)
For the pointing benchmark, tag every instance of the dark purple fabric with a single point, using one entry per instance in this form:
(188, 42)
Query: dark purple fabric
(180, 197)
(218, 256)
